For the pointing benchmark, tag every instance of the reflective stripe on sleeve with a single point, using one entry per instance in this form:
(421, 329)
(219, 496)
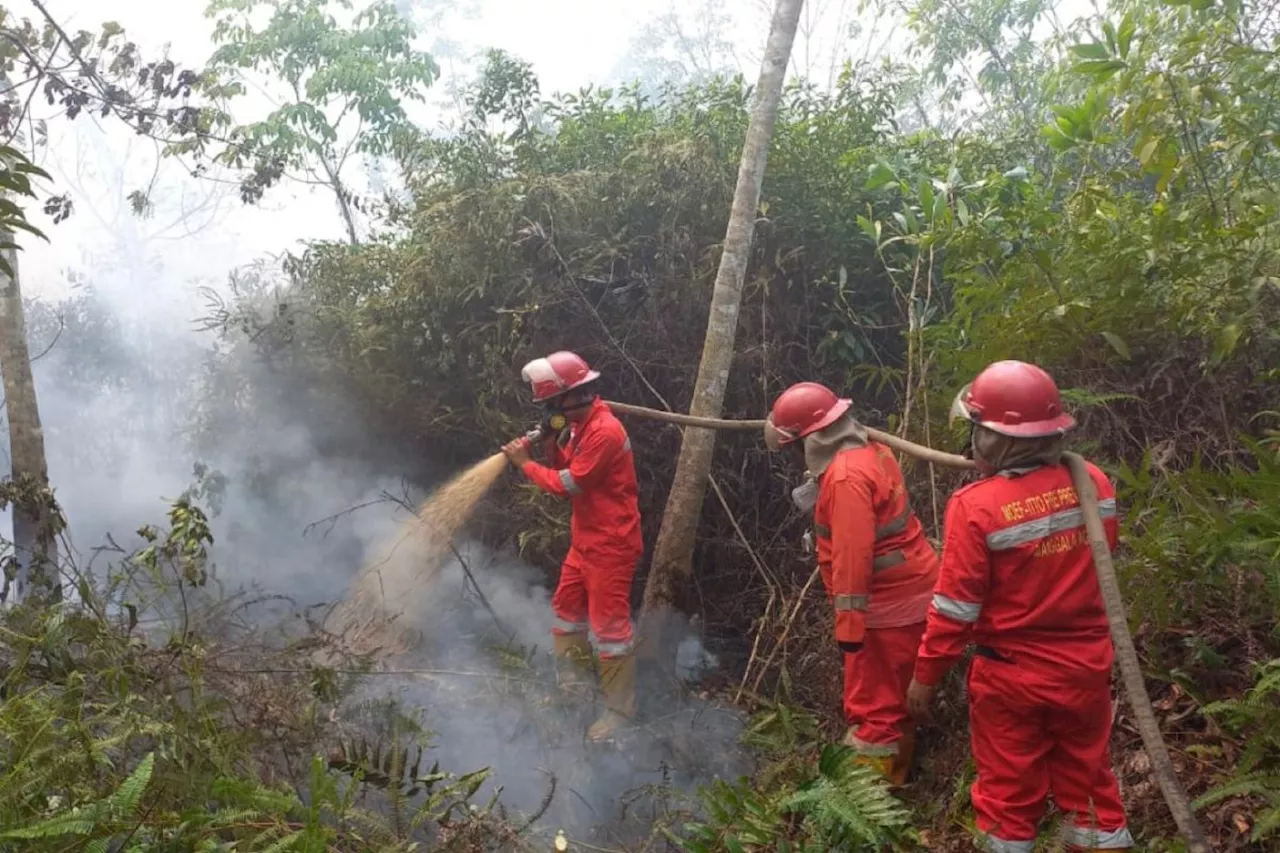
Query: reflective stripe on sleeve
(896, 526)
(845, 602)
(822, 530)
(1099, 839)
(566, 480)
(888, 561)
(1041, 528)
(961, 611)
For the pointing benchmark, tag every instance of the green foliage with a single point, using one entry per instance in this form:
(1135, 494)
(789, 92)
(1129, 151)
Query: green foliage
(844, 806)
(345, 81)
(1215, 533)
(1256, 721)
(118, 737)
(82, 73)
(16, 172)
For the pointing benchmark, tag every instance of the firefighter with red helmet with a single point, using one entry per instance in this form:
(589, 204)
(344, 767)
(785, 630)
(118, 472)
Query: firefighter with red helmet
(877, 566)
(587, 459)
(1018, 582)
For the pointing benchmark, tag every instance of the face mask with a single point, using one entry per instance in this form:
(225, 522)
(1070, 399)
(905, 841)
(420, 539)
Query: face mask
(553, 421)
(805, 495)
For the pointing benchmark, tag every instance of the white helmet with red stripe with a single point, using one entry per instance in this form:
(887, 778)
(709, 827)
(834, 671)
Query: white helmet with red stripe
(558, 373)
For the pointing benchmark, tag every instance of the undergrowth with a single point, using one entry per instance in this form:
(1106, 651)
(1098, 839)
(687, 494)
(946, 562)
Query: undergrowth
(131, 722)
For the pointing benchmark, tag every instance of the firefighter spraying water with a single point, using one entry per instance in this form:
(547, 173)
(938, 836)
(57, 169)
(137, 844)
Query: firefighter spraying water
(586, 458)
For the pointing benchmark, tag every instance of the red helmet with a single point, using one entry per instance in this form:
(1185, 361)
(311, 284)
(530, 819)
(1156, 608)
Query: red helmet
(1015, 399)
(804, 408)
(558, 373)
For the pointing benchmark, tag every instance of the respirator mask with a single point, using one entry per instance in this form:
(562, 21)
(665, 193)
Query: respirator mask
(805, 495)
(553, 423)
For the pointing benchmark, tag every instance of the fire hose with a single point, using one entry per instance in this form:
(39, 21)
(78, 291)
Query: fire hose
(1175, 796)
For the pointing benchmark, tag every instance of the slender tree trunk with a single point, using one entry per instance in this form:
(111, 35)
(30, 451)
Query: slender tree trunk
(344, 203)
(672, 564)
(35, 547)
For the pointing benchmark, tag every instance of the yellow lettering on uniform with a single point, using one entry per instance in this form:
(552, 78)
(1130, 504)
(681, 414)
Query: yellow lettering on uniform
(1039, 505)
(1061, 543)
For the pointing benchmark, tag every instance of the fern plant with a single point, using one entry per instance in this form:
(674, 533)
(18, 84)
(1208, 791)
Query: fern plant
(843, 806)
(1255, 718)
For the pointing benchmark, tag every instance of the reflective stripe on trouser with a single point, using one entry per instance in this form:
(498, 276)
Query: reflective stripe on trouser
(596, 595)
(875, 685)
(1082, 837)
(1035, 729)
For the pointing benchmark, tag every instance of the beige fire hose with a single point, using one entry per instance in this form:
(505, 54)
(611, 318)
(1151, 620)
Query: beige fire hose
(1175, 796)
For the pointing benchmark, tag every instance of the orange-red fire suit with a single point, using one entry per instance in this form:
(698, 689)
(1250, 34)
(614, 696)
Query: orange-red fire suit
(596, 471)
(1018, 581)
(879, 572)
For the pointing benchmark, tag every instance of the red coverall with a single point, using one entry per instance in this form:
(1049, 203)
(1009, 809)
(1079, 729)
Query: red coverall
(1018, 581)
(879, 572)
(596, 471)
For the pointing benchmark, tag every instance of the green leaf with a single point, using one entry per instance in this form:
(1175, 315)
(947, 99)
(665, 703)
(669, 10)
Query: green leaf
(1227, 340)
(1091, 50)
(926, 194)
(878, 175)
(1118, 344)
(1124, 35)
(1147, 151)
(1102, 69)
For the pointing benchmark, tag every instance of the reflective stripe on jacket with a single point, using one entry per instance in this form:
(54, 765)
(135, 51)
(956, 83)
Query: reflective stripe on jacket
(878, 567)
(596, 471)
(1018, 577)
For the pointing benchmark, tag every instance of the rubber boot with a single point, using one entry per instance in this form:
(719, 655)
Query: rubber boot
(573, 662)
(618, 683)
(875, 756)
(906, 754)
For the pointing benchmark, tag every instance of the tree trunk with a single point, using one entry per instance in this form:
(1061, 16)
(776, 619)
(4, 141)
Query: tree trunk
(672, 564)
(34, 543)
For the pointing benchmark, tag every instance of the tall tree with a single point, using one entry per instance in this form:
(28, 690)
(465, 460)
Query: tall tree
(34, 546)
(343, 88)
(82, 73)
(673, 555)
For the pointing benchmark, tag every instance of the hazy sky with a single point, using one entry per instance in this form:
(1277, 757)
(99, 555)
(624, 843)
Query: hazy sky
(571, 43)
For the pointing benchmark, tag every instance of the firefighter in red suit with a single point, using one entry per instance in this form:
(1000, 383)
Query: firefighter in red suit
(1018, 582)
(589, 462)
(878, 568)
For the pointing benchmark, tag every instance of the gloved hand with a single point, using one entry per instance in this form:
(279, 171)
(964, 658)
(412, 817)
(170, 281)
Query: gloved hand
(517, 451)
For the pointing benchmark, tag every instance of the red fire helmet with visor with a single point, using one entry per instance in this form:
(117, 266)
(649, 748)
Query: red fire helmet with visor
(1014, 399)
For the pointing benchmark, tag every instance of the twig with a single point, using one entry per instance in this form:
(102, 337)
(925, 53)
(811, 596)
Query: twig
(786, 629)
(466, 570)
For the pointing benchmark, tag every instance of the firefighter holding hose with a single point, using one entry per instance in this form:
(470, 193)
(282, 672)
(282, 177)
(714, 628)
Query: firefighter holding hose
(877, 566)
(587, 459)
(1018, 581)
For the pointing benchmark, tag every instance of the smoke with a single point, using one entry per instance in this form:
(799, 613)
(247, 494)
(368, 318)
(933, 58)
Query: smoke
(139, 405)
